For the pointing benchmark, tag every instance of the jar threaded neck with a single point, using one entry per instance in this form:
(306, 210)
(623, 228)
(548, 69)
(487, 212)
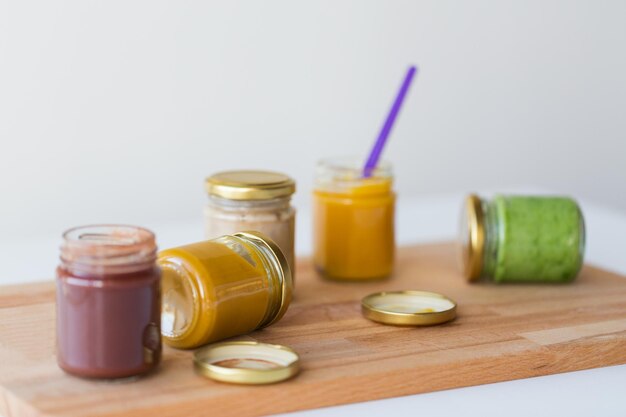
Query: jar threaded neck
(279, 275)
(108, 248)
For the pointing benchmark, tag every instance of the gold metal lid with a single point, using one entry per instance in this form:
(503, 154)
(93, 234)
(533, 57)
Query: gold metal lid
(408, 308)
(472, 237)
(247, 362)
(285, 277)
(250, 185)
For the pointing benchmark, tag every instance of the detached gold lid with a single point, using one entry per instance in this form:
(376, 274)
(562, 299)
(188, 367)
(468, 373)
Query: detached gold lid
(472, 237)
(250, 185)
(408, 308)
(247, 362)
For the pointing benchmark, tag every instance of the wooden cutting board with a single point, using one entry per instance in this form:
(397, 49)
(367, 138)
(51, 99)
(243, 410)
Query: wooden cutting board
(501, 333)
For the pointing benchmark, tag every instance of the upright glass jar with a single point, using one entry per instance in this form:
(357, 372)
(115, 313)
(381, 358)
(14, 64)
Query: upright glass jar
(522, 238)
(223, 287)
(252, 200)
(353, 221)
(108, 302)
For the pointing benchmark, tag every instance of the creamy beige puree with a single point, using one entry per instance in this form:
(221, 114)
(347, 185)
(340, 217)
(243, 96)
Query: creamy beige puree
(276, 221)
(252, 201)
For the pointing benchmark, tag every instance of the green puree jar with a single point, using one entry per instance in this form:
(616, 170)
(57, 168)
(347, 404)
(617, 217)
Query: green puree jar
(522, 238)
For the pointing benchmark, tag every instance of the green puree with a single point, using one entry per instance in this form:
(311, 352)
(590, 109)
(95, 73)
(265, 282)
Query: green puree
(534, 239)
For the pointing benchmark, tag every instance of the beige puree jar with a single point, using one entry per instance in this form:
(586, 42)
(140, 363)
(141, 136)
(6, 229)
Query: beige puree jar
(252, 201)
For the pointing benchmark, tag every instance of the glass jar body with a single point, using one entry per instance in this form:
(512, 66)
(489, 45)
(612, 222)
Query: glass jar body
(353, 222)
(273, 217)
(221, 288)
(532, 239)
(108, 305)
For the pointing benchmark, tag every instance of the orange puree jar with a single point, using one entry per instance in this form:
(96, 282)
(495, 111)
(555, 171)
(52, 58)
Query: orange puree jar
(353, 221)
(221, 288)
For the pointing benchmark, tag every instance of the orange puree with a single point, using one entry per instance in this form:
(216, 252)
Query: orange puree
(354, 228)
(216, 289)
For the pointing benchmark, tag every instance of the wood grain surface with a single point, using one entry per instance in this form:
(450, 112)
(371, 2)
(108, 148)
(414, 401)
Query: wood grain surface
(502, 333)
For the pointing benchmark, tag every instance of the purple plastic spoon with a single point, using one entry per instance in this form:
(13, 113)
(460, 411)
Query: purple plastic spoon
(377, 150)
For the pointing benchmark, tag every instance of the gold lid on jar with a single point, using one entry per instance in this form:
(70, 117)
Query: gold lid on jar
(250, 185)
(285, 275)
(473, 237)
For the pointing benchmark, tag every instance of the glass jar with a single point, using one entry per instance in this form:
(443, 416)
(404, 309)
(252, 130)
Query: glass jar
(108, 302)
(522, 238)
(353, 221)
(252, 200)
(221, 288)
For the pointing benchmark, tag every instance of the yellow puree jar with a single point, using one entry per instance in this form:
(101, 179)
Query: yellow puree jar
(221, 288)
(353, 221)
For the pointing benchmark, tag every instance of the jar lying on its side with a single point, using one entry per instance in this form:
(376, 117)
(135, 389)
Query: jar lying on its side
(522, 238)
(108, 302)
(221, 288)
(252, 200)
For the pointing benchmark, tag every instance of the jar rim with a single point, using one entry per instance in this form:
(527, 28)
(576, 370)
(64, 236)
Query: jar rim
(108, 245)
(350, 168)
(344, 175)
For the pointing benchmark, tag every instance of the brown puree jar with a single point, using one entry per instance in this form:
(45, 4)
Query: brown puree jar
(108, 302)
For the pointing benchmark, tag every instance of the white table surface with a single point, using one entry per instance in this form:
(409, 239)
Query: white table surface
(596, 392)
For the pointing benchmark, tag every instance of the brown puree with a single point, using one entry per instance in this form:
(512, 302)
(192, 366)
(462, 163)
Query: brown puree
(108, 306)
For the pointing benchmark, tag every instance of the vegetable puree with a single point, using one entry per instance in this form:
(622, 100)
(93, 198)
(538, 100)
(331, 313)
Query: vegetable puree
(533, 239)
(354, 230)
(221, 288)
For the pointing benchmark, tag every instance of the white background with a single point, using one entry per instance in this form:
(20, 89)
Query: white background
(115, 111)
